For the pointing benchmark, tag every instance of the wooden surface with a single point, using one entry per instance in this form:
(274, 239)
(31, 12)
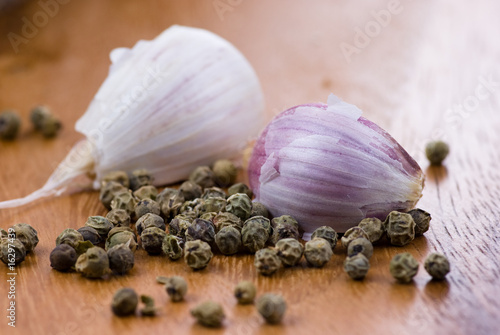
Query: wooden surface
(431, 57)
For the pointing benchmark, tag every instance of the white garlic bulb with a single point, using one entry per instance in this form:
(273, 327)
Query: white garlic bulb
(184, 99)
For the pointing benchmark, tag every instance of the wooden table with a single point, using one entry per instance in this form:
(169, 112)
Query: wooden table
(408, 71)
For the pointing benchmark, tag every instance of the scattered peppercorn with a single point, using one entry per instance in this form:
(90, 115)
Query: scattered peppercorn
(208, 216)
(63, 257)
(90, 234)
(272, 307)
(27, 235)
(225, 172)
(360, 245)
(374, 228)
(203, 176)
(267, 261)
(403, 267)
(146, 206)
(197, 254)
(201, 230)
(213, 192)
(437, 265)
(356, 266)
(328, 233)
(121, 258)
(170, 201)
(228, 240)
(82, 247)
(139, 178)
(259, 209)
(318, 252)
(436, 152)
(149, 220)
(152, 240)
(178, 226)
(38, 114)
(124, 302)
(69, 236)
(10, 122)
(121, 235)
(101, 224)
(351, 234)
(172, 246)
(209, 314)
(213, 204)
(12, 252)
(94, 263)
(400, 228)
(245, 292)
(226, 219)
(290, 251)
(284, 230)
(255, 233)
(146, 192)
(50, 126)
(119, 218)
(190, 190)
(109, 191)
(176, 288)
(149, 308)
(120, 177)
(124, 200)
(240, 188)
(422, 220)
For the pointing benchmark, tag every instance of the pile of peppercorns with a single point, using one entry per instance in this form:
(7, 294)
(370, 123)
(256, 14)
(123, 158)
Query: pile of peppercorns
(41, 117)
(16, 242)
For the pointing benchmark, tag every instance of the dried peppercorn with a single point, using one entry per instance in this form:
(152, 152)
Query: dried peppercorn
(120, 177)
(271, 307)
(351, 234)
(172, 246)
(149, 220)
(152, 240)
(27, 235)
(139, 178)
(403, 267)
(3, 233)
(124, 200)
(228, 240)
(50, 126)
(356, 266)
(328, 233)
(213, 204)
(360, 245)
(197, 254)
(94, 263)
(209, 216)
(121, 235)
(226, 219)
(90, 234)
(12, 252)
(69, 236)
(63, 257)
(436, 152)
(176, 288)
(149, 308)
(240, 188)
(189, 190)
(422, 220)
(267, 261)
(109, 191)
(400, 228)
(121, 258)
(146, 206)
(437, 265)
(225, 172)
(101, 224)
(146, 192)
(192, 206)
(170, 201)
(373, 227)
(290, 251)
(203, 176)
(119, 218)
(38, 114)
(318, 252)
(201, 230)
(124, 302)
(213, 192)
(10, 122)
(178, 226)
(245, 292)
(209, 314)
(284, 230)
(82, 247)
(284, 220)
(258, 209)
(240, 205)
(255, 233)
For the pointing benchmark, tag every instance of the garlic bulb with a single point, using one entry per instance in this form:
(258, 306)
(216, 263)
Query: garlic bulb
(328, 165)
(184, 99)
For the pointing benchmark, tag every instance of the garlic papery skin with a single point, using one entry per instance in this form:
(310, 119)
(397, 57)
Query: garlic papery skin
(328, 165)
(184, 99)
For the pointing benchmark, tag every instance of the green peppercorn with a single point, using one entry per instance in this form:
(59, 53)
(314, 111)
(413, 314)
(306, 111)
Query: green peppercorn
(351, 234)
(197, 254)
(212, 204)
(436, 152)
(119, 218)
(189, 190)
(63, 257)
(208, 216)
(422, 220)
(284, 220)
(290, 251)
(101, 224)
(403, 267)
(245, 292)
(318, 252)
(240, 205)
(178, 226)
(209, 314)
(400, 228)
(82, 247)
(124, 302)
(124, 200)
(50, 126)
(146, 206)
(176, 288)
(213, 192)
(437, 265)
(255, 233)
(188, 215)
(328, 233)
(94, 263)
(10, 122)
(139, 178)
(356, 266)
(228, 240)
(240, 188)
(146, 192)
(149, 220)
(170, 201)
(149, 308)
(121, 258)
(373, 227)
(225, 172)
(259, 209)
(203, 176)
(3, 233)
(172, 246)
(27, 235)
(38, 114)
(271, 307)
(192, 206)
(226, 219)
(201, 230)
(109, 191)
(120, 177)
(90, 234)
(69, 236)
(121, 235)
(284, 230)
(267, 261)
(12, 252)
(360, 245)
(152, 240)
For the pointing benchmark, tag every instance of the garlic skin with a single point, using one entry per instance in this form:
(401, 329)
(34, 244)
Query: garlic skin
(184, 99)
(328, 165)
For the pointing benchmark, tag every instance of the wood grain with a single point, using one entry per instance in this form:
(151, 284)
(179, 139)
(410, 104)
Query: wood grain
(430, 58)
